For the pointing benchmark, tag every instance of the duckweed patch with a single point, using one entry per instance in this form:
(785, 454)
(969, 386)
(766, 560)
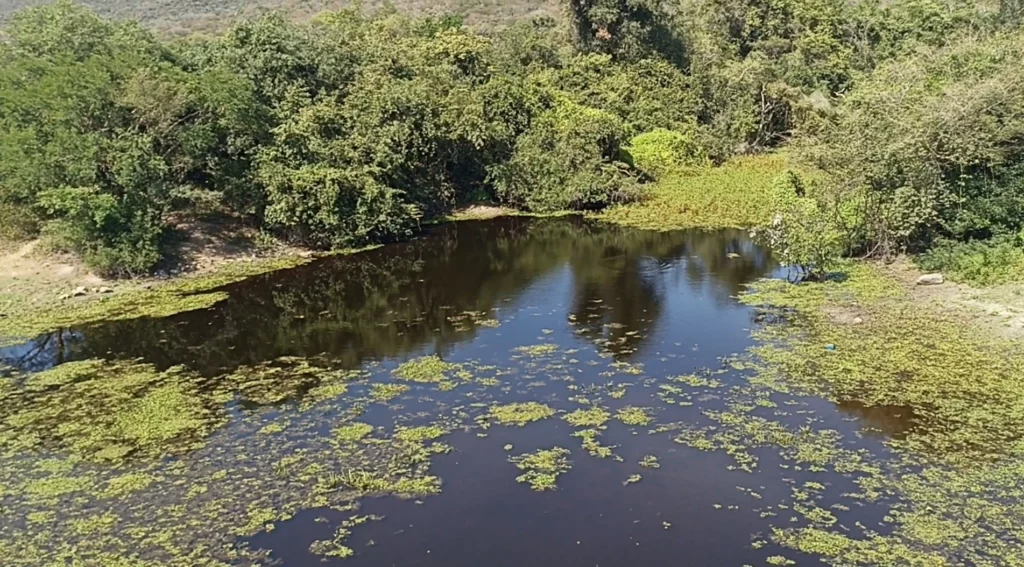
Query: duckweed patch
(143, 465)
(290, 378)
(592, 417)
(335, 547)
(520, 414)
(948, 480)
(537, 350)
(650, 462)
(182, 469)
(105, 412)
(386, 392)
(634, 416)
(542, 468)
(426, 369)
(419, 434)
(594, 447)
(353, 432)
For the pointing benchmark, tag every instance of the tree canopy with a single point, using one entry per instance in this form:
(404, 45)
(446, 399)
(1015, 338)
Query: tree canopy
(354, 127)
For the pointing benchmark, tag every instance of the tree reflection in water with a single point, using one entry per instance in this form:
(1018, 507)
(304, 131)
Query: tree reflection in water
(431, 292)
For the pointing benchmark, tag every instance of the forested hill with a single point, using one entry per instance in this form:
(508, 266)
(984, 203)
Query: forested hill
(184, 16)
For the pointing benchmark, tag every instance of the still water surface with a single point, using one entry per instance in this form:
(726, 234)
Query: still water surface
(625, 310)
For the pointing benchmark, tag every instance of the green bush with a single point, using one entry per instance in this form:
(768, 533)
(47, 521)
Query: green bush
(17, 222)
(568, 159)
(661, 152)
(983, 263)
(324, 206)
(646, 94)
(933, 141)
(802, 233)
(350, 127)
(111, 235)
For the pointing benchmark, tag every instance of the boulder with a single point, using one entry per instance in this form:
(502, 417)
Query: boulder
(931, 279)
(79, 292)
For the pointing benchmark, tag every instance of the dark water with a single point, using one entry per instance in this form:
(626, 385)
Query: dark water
(399, 300)
(663, 302)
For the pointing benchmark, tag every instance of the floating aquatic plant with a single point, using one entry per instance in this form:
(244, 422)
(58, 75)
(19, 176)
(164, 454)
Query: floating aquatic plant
(542, 468)
(592, 417)
(426, 369)
(634, 416)
(520, 414)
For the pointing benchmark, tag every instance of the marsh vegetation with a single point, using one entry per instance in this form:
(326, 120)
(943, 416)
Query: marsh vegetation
(578, 382)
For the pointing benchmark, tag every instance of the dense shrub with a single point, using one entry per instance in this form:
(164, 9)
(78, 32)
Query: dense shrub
(661, 152)
(16, 222)
(803, 235)
(998, 261)
(626, 29)
(645, 94)
(932, 145)
(352, 127)
(568, 159)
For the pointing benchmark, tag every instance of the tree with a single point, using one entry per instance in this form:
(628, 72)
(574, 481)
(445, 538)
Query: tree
(626, 29)
(568, 159)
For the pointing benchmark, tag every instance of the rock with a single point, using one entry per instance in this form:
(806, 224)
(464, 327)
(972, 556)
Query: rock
(306, 254)
(858, 320)
(732, 255)
(79, 292)
(931, 279)
(104, 290)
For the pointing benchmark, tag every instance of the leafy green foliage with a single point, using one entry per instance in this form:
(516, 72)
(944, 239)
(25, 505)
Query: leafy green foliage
(626, 29)
(930, 145)
(103, 133)
(661, 152)
(645, 94)
(352, 127)
(570, 158)
(998, 261)
(803, 236)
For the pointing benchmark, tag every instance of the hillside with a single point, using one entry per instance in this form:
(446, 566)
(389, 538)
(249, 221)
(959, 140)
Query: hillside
(181, 16)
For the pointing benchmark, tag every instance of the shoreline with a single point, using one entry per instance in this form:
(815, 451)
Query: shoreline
(30, 307)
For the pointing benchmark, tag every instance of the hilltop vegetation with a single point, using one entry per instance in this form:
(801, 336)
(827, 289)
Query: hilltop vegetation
(904, 122)
(180, 17)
